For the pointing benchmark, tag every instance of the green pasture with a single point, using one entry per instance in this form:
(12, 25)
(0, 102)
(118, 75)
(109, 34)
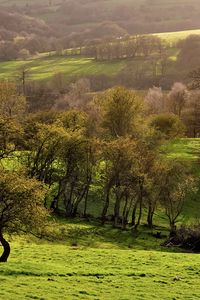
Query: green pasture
(48, 271)
(46, 68)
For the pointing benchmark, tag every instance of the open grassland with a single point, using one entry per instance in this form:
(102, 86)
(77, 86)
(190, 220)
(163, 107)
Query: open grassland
(56, 271)
(45, 68)
(175, 36)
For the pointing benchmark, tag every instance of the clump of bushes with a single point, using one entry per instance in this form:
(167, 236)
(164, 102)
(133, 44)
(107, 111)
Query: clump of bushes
(186, 237)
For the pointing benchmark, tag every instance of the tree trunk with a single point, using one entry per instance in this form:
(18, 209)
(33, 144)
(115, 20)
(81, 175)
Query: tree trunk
(86, 204)
(125, 214)
(6, 249)
(134, 214)
(172, 228)
(150, 216)
(117, 208)
(140, 205)
(78, 201)
(106, 206)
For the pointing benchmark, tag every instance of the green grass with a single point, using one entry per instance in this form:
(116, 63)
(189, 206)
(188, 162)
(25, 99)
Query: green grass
(186, 149)
(45, 68)
(51, 271)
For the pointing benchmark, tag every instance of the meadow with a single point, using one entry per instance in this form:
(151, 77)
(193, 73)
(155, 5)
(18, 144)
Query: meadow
(84, 260)
(56, 271)
(44, 68)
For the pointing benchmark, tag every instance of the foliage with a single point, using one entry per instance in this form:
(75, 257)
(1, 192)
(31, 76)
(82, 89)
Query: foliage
(168, 125)
(21, 207)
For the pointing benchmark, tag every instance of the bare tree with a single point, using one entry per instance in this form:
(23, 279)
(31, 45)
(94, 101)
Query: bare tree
(177, 98)
(155, 100)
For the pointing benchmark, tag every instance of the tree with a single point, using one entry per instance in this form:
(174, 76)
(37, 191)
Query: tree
(168, 125)
(119, 177)
(191, 114)
(21, 207)
(120, 111)
(194, 79)
(154, 100)
(176, 183)
(12, 107)
(188, 57)
(177, 98)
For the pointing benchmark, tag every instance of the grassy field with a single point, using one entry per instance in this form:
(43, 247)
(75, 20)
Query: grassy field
(44, 68)
(48, 271)
(175, 36)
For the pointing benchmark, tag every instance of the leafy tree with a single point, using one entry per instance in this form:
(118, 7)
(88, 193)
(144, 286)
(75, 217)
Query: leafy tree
(168, 125)
(176, 183)
(21, 207)
(191, 114)
(119, 111)
(119, 177)
(12, 107)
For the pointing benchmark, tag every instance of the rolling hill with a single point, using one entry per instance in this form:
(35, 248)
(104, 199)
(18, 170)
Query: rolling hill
(141, 16)
(44, 66)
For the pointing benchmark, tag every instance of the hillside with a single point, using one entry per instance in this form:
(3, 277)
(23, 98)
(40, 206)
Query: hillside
(45, 65)
(78, 21)
(134, 16)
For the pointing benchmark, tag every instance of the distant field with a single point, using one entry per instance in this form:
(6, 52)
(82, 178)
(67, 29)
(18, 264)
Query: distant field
(45, 68)
(177, 35)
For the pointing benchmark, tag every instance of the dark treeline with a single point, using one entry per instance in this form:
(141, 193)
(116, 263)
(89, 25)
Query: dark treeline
(137, 46)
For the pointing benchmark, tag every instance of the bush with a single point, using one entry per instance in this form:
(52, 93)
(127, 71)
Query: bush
(186, 237)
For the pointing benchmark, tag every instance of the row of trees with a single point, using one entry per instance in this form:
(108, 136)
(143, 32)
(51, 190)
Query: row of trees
(137, 46)
(103, 161)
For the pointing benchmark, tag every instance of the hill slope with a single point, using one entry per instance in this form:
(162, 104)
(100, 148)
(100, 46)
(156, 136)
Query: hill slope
(136, 16)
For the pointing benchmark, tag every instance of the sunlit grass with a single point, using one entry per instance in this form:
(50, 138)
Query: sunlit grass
(175, 36)
(45, 68)
(56, 271)
(187, 149)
